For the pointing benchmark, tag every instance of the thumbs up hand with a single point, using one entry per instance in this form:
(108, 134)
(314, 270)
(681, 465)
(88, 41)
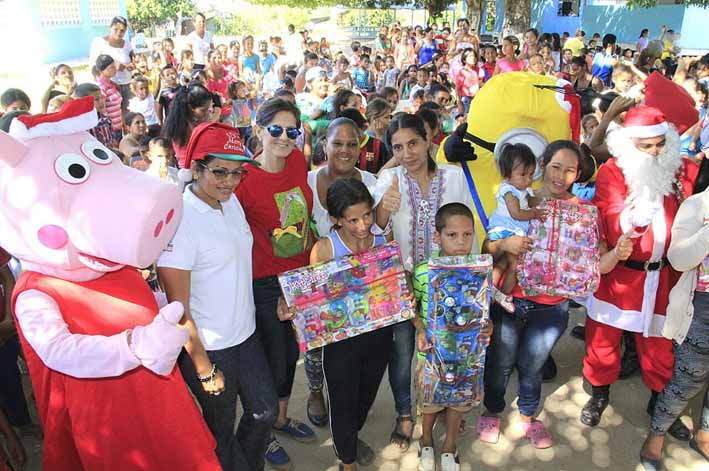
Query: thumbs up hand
(391, 201)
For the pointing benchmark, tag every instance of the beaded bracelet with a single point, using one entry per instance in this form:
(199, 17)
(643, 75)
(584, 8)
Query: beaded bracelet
(210, 377)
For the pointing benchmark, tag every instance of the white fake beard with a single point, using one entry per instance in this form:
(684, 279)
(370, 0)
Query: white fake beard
(641, 169)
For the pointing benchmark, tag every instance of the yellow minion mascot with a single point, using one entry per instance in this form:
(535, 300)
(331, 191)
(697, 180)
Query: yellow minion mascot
(516, 107)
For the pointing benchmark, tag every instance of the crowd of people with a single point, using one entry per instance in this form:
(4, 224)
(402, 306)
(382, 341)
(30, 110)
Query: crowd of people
(296, 154)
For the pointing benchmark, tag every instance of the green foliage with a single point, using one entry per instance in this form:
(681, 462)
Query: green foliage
(263, 20)
(652, 3)
(374, 18)
(149, 13)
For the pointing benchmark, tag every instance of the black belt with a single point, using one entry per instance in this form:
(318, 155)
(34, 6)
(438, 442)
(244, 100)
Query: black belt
(646, 266)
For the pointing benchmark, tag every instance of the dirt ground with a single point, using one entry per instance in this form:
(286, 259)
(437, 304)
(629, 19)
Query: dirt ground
(612, 446)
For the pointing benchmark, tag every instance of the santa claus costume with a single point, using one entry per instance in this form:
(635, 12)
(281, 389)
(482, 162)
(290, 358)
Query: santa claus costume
(638, 194)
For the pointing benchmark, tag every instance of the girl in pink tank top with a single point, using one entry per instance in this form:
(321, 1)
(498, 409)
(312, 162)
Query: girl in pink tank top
(509, 63)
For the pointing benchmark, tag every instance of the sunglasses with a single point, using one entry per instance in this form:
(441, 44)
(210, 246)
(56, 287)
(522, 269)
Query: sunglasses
(221, 174)
(276, 130)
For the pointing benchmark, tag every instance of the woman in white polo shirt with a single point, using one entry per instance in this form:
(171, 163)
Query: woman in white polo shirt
(207, 267)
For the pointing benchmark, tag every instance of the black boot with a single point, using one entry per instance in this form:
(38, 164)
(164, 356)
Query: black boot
(549, 370)
(677, 430)
(629, 364)
(579, 332)
(593, 410)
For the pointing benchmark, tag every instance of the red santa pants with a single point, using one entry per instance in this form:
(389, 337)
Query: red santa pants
(601, 365)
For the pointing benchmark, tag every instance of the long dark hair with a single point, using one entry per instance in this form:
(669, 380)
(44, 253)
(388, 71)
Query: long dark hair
(177, 123)
(409, 121)
(561, 144)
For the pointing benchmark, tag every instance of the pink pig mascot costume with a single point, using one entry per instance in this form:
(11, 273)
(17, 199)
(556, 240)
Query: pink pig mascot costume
(101, 354)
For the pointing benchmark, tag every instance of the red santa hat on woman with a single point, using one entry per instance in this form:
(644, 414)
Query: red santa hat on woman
(639, 168)
(645, 122)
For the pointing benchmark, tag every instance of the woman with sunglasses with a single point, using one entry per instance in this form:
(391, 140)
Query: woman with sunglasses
(208, 270)
(278, 202)
(191, 106)
(121, 50)
(407, 198)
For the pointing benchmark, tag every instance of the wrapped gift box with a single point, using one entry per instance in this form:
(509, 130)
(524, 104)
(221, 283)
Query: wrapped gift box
(459, 291)
(348, 296)
(564, 259)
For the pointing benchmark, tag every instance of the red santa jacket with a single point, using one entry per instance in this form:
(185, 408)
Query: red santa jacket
(627, 298)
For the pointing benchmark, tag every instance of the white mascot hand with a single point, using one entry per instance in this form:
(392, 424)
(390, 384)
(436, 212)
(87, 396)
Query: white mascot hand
(644, 210)
(158, 344)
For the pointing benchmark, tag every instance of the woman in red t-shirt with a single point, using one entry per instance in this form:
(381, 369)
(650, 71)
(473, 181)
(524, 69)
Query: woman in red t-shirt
(278, 202)
(526, 337)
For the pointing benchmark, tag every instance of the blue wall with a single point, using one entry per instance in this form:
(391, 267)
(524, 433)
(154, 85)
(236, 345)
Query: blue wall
(694, 28)
(63, 43)
(626, 24)
(545, 17)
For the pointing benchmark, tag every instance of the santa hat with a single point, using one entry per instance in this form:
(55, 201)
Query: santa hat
(217, 140)
(74, 117)
(645, 121)
(673, 100)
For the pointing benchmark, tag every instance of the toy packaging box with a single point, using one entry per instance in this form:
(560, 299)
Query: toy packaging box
(459, 292)
(348, 296)
(564, 259)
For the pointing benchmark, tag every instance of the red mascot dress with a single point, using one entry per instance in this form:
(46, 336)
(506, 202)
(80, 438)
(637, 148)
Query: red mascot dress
(638, 194)
(101, 354)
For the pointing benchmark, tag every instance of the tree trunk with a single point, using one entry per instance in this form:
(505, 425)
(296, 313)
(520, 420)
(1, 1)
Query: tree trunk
(517, 16)
(475, 14)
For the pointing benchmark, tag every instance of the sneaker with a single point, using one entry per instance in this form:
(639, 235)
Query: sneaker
(427, 459)
(297, 431)
(277, 457)
(450, 462)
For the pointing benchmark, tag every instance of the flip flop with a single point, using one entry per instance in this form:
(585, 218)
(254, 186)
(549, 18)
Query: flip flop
(537, 434)
(402, 441)
(489, 429)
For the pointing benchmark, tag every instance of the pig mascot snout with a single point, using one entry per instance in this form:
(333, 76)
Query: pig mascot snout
(101, 354)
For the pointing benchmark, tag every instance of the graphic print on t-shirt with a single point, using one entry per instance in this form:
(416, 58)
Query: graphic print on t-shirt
(290, 239)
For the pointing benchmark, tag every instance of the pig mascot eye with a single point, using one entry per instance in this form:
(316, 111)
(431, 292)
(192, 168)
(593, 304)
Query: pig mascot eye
(72, 168)
(97, 152)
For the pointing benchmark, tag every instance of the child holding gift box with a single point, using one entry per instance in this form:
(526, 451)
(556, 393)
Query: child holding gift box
(354, 367)
(455, 233)
(515, 206)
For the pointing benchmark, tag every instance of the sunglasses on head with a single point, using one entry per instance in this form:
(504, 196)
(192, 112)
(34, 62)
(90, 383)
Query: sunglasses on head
(276, 130)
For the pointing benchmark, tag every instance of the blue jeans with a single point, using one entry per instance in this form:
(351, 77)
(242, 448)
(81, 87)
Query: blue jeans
(400, 366)
(248, 378)
(523, 339)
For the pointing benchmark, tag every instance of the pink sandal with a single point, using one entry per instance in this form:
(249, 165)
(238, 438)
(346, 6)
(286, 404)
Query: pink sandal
(489, 429)
(537, 434)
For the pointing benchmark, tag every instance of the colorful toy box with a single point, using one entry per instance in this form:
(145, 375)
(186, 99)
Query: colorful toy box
(348, 296)
(459, 291)
(564, 259)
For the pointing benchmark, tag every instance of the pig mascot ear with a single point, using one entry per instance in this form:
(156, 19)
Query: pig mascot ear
(12, 151)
